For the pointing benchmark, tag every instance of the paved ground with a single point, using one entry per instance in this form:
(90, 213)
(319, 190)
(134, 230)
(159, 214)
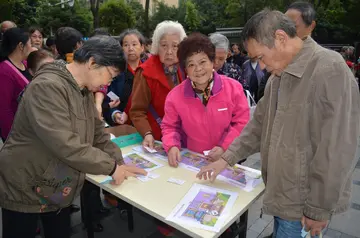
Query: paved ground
(341, 226)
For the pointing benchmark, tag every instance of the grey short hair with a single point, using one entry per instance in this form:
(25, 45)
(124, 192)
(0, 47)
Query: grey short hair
(166, 27)
(219, 41)
(263, 25)
(131, 32)
(308, 13)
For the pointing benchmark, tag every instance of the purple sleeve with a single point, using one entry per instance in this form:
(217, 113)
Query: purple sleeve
(7, 103)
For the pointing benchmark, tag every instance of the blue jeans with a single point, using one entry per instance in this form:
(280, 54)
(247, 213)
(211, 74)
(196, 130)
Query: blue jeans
(287, 229)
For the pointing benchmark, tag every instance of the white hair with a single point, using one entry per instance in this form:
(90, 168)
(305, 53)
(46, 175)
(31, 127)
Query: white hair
(166, 27)
(219, 41)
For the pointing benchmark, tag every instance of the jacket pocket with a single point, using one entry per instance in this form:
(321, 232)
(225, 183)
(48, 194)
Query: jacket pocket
(57, 186)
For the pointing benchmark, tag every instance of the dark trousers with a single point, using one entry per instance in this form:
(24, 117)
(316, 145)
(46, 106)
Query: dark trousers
(23, 225)
(95, 201)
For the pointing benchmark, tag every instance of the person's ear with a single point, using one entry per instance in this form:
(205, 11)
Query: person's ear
(281, 36)
(91, 64)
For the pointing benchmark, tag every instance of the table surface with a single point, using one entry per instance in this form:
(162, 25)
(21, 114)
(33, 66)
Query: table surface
(158, 197)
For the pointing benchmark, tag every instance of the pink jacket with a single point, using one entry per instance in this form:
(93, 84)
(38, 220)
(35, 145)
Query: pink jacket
(201, 128)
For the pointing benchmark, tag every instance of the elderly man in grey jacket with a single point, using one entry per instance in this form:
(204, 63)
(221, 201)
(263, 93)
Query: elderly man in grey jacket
(306, 127)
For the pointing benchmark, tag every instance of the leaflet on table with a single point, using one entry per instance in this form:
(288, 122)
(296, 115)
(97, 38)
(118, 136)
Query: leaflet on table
(193, 161)
(204, 207)
(142, 178)
(141, 161)
(160, 151)
(241, 176)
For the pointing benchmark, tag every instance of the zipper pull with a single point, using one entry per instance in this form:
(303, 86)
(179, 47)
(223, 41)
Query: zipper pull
(261, 213)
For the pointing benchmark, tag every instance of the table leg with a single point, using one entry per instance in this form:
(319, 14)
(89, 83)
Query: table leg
(86, 214)
(129, 213)
(243, 224)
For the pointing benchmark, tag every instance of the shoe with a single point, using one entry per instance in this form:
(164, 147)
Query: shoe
(97, 227)
(104, 211)
(74, 208)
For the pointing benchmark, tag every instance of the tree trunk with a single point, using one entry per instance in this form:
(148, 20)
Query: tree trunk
(147, 27)
(94, 7)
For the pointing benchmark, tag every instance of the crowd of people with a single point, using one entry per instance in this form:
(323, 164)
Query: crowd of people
(188, 92)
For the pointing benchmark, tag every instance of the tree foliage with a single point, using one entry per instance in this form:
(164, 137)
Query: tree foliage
(117, 16)
(192, 18)
(163, 12)
(139, 14)
(50, 18)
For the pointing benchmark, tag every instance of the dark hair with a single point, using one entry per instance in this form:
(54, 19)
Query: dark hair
(308, 13)
(131, 32)
(35, 59)
(105, 50)
(148, 41)
(50, 41)
(263, 25)
(66, 39)
(100, 31)
(34, 28)
(11, 39)
(193, 44)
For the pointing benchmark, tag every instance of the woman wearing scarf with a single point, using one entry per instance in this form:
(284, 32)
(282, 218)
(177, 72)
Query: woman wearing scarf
(213, 109)
(154, 79)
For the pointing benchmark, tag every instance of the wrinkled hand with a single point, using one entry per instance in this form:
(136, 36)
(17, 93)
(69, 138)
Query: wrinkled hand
(212, 170)
(215, 153)
(120, 118)
(174, 156)
(122, 172)
(312, 226)
(114, 103)
(99, 110)
(149, 141)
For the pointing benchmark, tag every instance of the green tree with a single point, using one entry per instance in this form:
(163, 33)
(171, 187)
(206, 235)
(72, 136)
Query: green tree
(192, 18)
(50, 18)
(22, 12)
(117, 16)
(95, 7)
(139, 13)
(163, 12)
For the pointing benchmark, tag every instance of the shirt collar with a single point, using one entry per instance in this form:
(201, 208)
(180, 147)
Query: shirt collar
(301, 60)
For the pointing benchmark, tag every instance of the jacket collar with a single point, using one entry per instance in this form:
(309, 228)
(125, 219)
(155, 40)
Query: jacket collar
(301, 60)
(153, 68)
(217, 86)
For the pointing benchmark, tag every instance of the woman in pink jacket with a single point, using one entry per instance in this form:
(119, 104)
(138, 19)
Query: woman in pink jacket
(207, 111)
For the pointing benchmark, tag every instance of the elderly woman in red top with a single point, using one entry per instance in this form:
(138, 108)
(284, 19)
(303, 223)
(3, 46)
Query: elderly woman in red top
(154, 79)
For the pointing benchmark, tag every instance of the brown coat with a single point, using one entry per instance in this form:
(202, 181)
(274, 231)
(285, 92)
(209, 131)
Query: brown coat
(306, 127)
(56, 138)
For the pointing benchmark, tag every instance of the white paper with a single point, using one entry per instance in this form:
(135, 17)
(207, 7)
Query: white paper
(206, 152)
(150, 150)
(113, 96)
(148, 177)
(141, 161)
(153, 176)
(176, 181)
(143, 178)
(204, 207)
(241, 176)
(159, 154)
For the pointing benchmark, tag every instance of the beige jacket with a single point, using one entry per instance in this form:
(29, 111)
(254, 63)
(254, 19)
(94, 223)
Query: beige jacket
(56, 138)
(306, 127)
